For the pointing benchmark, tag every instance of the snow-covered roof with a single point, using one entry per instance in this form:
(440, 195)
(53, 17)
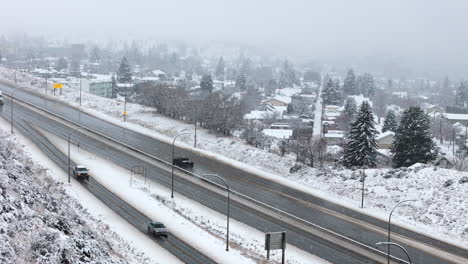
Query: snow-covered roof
(450, 116)
(385, 134)
(333, 135)
(284, 99)
(278, 133)
(123, 85)
(288, 92)
(158, 72)
(400, 94)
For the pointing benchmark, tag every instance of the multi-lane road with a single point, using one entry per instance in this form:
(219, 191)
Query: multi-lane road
(333, 232)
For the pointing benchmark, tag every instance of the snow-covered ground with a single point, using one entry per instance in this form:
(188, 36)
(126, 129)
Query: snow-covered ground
(41, 223)
(440, 211)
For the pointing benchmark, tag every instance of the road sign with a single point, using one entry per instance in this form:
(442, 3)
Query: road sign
(58, 85)
(125, 113)
(275, 240)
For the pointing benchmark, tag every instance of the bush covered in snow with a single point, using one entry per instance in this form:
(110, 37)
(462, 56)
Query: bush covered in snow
(40, 223)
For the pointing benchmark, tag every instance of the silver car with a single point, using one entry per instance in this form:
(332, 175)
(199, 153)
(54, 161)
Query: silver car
(157, 229)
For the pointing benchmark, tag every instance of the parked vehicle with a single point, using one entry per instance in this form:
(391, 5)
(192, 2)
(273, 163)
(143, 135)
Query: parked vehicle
(184, 163)
(1, 98)
(157, 229)
(81, 172)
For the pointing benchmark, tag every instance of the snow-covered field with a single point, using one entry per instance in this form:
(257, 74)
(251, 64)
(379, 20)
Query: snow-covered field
(439, 211)
(41, 223)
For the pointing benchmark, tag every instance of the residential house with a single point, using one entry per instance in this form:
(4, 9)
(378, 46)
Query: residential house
(385, 140)
(454, 118)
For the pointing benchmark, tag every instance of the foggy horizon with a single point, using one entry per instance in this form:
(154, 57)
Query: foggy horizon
(424, 36)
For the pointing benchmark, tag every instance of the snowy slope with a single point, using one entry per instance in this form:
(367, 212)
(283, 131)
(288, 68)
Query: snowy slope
(40, 223)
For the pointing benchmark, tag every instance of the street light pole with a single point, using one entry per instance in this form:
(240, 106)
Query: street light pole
(69, 137)
(397, 245)
(11, 109)
(389, 223)
(80, 88)
(172, 161)
(125, 105)
(228, 204)
(363, 178)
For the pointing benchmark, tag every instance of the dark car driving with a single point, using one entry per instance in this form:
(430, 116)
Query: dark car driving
(184, 163)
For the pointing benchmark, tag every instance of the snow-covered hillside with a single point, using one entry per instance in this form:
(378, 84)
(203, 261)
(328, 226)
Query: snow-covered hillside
(41, 223)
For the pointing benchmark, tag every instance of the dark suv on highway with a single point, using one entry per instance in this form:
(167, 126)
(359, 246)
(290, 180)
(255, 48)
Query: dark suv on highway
(184, 163)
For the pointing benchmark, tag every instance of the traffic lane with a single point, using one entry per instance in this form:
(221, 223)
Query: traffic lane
(105, 150)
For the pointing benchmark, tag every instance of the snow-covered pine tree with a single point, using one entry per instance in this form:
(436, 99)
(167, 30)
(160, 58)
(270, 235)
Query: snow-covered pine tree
(206, 83)
(350, 108)
(220, 69)
(361, 148)
(241, 82)
(390, 123)
(461, 96)
(124, 75)
(328, 92)
(349, 85)
(366, 84)
(413, 140)
(337, 98)
(62, 64)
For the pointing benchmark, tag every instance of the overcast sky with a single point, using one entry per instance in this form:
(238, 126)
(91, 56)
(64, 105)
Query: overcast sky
(421, 31)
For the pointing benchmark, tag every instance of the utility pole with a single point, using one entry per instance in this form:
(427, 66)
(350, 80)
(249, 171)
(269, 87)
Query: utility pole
(80, 88)
(125, 105)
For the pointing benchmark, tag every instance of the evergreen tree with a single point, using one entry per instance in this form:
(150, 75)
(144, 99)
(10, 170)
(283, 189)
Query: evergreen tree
(312, 76)
(366, 84)
(349, 112)
(288, 76)
(390, 123)
(331, 93)
(337, 93)
(361, 148)
(206, 83)
(461, 96)
(114, 87)
(241, 82)
(349, 85)
(350, 108)
(220, 69)
(413, 139)
(62, 64)
(124, 75)
(75, 69)
(94, 56)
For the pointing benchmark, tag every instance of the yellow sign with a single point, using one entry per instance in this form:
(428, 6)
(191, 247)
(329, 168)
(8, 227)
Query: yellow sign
(125, 113)
(58, 85)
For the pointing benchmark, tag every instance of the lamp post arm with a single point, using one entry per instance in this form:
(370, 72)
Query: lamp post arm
(396, 245)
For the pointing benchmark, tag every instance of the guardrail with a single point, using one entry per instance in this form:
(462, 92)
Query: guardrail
(303, 221)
